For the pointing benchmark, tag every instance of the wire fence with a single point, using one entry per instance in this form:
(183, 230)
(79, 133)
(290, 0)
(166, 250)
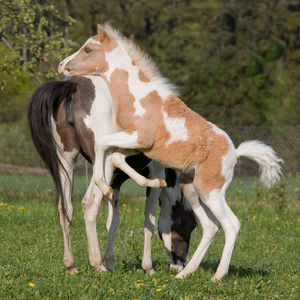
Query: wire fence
(23, 172)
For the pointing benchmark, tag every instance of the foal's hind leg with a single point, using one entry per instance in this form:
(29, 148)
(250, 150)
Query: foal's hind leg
(216, 203)
(209, 223)
(68, 160)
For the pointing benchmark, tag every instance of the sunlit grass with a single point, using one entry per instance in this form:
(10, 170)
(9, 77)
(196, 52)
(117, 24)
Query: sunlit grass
(264, 264)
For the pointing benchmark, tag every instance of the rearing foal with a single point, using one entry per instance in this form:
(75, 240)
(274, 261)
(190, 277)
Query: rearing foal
(153, 120)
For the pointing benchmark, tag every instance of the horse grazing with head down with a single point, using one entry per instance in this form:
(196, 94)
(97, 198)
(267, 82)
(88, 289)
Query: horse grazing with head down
(66, 117)
(153, 120)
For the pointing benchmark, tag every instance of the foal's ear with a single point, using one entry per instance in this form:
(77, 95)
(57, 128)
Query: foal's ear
(102, 34)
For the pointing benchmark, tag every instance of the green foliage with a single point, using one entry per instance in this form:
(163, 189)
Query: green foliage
(28, 30)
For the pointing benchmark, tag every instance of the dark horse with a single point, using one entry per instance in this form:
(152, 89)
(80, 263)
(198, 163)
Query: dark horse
(66, 117)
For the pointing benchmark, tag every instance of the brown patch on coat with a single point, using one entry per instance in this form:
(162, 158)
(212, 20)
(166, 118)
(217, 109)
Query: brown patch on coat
(110, 44)
(123, 102)
(85, 98)
(125, 110)
(143, 77)
(182, 155)
(78, 136)
(209, 175)
(65, 131)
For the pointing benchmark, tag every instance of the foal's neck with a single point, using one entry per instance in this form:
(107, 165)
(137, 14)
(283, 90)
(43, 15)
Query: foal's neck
(125, 77)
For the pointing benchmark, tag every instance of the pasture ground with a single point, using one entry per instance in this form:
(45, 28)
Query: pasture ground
(265, 263)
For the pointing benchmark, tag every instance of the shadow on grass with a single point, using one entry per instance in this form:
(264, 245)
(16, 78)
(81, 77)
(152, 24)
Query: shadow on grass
(234, 271)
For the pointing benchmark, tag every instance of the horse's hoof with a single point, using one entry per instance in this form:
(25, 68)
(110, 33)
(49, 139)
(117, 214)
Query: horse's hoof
(101, 269)
(150, 271)
(217, 277)
(183, 274)
(72, 271)
(109, 264)
(162, 183)
(176, 267)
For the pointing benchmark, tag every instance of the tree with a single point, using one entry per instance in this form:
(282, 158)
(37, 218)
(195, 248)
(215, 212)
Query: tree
(31, 33)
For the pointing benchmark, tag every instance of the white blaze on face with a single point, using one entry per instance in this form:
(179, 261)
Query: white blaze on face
(177, 129)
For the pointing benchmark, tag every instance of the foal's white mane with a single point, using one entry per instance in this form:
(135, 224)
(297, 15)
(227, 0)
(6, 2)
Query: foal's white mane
(141, 58)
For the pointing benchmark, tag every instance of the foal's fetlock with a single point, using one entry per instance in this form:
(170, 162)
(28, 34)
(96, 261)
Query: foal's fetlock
(109, 193)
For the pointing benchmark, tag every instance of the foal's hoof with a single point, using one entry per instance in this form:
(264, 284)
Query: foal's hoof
(180, 276)
(150, 271)
(217, 277)
(177, 268)
(101, 269)
(162, 183)
(72, 271)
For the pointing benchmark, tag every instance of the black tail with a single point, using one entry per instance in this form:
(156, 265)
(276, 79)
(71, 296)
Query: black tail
(44, 105)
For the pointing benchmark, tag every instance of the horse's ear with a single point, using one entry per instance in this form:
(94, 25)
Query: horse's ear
(102, 34)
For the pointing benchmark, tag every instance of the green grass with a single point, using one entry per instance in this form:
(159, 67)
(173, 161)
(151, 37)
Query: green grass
(264, 265)
(31, 185)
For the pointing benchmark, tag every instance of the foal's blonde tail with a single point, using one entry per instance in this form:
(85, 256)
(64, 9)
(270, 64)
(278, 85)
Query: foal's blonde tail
(266, 158)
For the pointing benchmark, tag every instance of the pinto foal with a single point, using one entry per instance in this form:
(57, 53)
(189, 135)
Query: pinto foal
(154, 121)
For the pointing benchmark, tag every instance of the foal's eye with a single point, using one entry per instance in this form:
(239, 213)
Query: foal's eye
(87, 50)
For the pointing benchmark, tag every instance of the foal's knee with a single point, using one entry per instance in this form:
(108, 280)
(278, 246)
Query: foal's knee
(117, 159)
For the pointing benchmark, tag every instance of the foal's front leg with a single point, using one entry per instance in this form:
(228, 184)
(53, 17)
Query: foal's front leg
(124, 141)
(119, 161)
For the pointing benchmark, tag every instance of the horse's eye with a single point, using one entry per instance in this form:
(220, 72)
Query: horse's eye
(87, 50)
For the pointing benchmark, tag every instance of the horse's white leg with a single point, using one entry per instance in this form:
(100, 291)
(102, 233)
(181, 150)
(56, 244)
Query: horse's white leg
(90, 205)
(117, 140)
(68, 160)
(209, 224)
(118, 160)
(231, 232)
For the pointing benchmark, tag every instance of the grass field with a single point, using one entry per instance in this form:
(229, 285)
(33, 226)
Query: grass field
(265, 263)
